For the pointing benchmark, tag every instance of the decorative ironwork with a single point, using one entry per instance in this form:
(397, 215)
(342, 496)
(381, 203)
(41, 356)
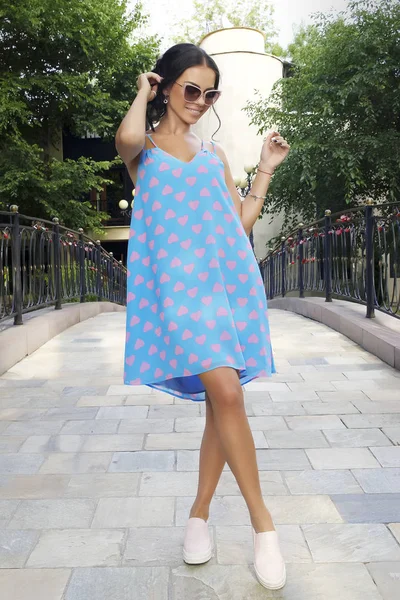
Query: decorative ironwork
(352, 255)
(43, 264)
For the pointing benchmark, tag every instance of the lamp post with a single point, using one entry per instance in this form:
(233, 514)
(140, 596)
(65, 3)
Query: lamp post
(243, 185)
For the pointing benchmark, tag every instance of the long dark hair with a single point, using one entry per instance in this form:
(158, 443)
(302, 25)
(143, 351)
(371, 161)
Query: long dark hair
(170, 66)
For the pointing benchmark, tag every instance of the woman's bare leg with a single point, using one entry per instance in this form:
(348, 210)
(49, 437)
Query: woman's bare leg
(212, 462)
(231, 424)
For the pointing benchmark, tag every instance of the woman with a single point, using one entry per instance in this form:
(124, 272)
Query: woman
(197, 324)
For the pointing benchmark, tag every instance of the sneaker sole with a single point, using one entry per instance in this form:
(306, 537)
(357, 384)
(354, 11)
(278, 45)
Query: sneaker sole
(267, 585)
(197, 559)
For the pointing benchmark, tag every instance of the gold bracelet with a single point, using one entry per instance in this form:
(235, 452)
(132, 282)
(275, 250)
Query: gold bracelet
(266, 172)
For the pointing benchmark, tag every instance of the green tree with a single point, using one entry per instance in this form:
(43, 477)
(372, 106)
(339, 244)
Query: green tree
(211, 15)
(340, 112)
(64, 66)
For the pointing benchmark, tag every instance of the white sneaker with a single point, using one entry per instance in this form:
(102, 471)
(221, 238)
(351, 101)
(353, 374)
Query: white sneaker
(197, 547)
(268, 562)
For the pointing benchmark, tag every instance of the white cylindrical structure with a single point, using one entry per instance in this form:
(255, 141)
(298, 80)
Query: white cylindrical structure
(245, 68)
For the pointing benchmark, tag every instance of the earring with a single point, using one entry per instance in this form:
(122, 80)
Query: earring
(165, 100)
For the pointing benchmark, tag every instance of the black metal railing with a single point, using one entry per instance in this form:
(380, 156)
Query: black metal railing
(351, 255)
(44, 264)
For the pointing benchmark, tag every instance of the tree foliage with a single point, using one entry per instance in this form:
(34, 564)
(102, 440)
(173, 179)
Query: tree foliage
(211, 15)
(63, 66)
(340, 112)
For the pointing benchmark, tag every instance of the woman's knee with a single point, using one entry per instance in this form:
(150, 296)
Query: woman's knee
(229, 397)
(223, 389)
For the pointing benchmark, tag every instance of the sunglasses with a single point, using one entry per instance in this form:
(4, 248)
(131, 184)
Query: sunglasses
(191, 93)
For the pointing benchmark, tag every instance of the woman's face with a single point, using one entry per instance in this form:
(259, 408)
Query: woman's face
(190, 111)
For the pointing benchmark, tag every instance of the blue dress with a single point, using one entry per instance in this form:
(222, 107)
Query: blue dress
(195, 299)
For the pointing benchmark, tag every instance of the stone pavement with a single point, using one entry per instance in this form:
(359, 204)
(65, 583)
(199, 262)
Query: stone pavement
(96, 479)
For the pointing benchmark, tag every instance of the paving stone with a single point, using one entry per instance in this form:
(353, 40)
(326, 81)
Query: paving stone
(15, 547)
(146, 426)
(341, 396)
(388, 457)
(190, 424)
(26, 428)
(383, 395)
(278, 408)
(271, 484)
(148, 400)
(113, 443)
(356, 438)
(367, 421)
(321, 482)
(168, 484)
(291, 396)
(78, 548)
(122, 412)
(53, 514)
(188, 460)
(395, 529)
(7, 509)
(351, 543)
(314, 422)
(102, 485)
(368, 508)
(342, 458)
(268, 423)
(224, 510)
(33, 584)
(26, 487)
(265, 386)
(393, 433)
(125, 462)
(71, 414)
(329, 408)
(118, 583)
(101, 401)
(156, 546)
(235, 545)
(129, 390)
(173, 441)
(387, 578)
(296, 439)
(371, 407)
(20, 463)
(91, 462)
(45, 444)
(11, 443)
(280, 460)
(378, 481)
(90, 427)
(134, 512)
(304, 582)
(174, 411)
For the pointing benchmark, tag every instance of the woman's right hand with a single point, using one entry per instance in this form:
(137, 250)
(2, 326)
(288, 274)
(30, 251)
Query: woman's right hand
(148, 82)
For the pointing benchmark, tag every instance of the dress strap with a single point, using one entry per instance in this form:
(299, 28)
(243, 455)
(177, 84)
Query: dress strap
(151, 139)
(212, 145)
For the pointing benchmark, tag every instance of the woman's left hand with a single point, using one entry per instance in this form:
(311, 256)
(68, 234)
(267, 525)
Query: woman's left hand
(274, 151)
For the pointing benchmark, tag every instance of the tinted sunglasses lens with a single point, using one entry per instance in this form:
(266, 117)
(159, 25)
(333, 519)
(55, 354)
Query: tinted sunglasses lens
(192, 93)
(212, 96)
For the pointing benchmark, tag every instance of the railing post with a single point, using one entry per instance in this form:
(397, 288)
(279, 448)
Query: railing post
(120, 279)
(57, 262)
(98, 273)
(369, 256)
(82, 280)
(328, 257)
(16, 265)
(112, 277)
(283, 265)
(301, 258)
(271, 275)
